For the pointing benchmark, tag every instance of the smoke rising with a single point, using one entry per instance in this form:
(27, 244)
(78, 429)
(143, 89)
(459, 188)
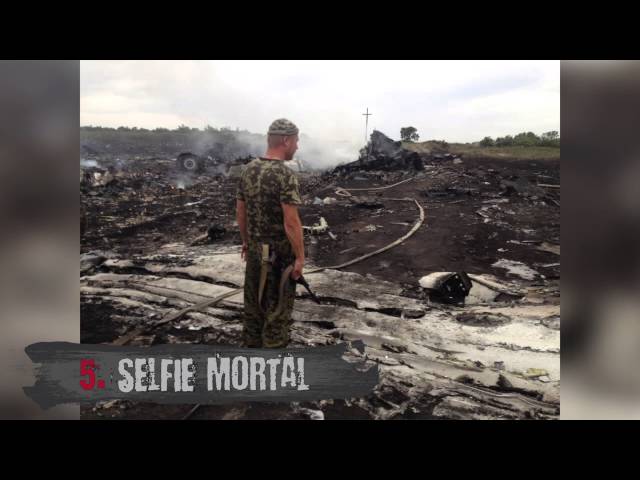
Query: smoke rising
(223, 146)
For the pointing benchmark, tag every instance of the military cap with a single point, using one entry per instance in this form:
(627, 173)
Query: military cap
(282, 126)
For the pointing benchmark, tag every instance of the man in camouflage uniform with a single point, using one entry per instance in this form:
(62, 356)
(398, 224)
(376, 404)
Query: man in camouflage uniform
(272, 239)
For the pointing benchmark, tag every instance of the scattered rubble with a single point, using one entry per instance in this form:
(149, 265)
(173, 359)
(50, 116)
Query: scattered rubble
(447, 287)
(516, 268)
(156, 239)
(318, 227)
(382, 153)
(425, 346)
(482, 319)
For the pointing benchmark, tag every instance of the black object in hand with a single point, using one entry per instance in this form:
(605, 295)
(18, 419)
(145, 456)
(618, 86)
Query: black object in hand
(304, 283)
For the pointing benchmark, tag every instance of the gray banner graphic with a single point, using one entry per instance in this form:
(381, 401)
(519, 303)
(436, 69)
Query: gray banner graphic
(205, 374)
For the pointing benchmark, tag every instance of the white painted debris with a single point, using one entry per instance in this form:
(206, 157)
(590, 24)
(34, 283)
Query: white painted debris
(109, 403)
(536, 372)
(102, 179)
(549, 247)
(480, 294)
(516, 268)
(312, 414)
(329, 201)
(172, 245)
(432, 280)
(318, 227)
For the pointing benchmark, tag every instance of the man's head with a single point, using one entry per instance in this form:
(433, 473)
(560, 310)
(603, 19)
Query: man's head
(283, 138)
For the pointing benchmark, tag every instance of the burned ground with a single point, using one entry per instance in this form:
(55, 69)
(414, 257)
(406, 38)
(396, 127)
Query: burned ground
(145, 253)
(474, 216)
(472, 220)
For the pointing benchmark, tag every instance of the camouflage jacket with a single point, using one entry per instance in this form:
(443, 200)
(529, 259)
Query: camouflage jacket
(263, 186)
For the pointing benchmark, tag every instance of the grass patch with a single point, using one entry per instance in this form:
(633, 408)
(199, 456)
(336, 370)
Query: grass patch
(471, 151)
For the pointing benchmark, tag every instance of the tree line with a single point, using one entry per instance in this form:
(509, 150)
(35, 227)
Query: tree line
(524, 139)
(179, 129)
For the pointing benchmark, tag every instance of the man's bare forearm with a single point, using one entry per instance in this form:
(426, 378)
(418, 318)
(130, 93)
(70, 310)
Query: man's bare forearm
(293, 229)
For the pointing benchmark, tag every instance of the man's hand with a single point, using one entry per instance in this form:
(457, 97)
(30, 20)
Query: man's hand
(243, 253)
(298, 265)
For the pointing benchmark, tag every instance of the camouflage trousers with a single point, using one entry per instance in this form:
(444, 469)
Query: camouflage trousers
(266, 326)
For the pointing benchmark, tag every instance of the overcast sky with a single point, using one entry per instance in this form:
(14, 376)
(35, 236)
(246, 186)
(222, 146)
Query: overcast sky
(457, 101)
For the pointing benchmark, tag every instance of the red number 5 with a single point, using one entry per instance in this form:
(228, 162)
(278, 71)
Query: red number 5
(86, 368)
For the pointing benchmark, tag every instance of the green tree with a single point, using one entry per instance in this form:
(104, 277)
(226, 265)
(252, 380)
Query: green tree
(504, 141)
(409, 134)
(487, 142)
(526, 139)
(550, 139)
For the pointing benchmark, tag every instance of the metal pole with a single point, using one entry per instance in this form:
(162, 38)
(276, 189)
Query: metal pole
(366, 129)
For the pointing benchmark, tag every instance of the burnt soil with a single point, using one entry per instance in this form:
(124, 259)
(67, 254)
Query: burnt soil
(145, 207)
